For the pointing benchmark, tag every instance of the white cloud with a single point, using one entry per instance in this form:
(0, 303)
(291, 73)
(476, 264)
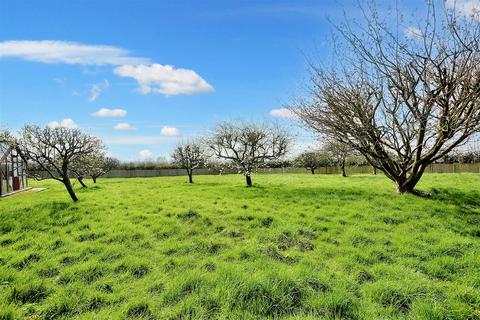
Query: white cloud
(413, 33)
(113, 113)
(466, 8)
(94, 92)
(65, 123)
(97, 89)
(152, 78)
(145, 154)
(123, 126)
(169, 131)
(164, 79)
(283, 113)
(50, 51)
(60, 81)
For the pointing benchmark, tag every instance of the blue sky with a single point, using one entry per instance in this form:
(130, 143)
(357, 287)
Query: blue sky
(105, 66)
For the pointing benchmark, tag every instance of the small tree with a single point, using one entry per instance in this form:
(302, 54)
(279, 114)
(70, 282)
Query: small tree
(56, 150)
(219, 167)
(310, 160)
(248, 145)
(94, 166)
(338, 152)
(189, 156)
(102, 166)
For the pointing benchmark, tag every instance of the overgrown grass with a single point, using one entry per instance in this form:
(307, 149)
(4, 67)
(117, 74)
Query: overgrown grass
(293, 247)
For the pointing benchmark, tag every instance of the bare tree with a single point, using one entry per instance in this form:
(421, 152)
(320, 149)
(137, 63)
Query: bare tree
(103, 165)
(56, 150)
(404, 100)
(310, 160)
(338, 152)
(247, 145)
(189, 156)
(93, 165)
(220, 167)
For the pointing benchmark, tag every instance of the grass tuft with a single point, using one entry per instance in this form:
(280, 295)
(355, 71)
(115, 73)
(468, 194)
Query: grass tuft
(29, 293)
(139, 310)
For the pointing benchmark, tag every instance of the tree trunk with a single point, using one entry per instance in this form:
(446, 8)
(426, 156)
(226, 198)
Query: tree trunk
(313, 170)
(374, 170)
(407, 185)
(190, 177)
(248, 179)
(342, 166)
(404, 187)
(94, 179)
(68, 186)
(81, 182)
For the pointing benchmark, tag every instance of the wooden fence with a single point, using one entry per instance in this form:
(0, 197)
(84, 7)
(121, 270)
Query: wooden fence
(434, 168)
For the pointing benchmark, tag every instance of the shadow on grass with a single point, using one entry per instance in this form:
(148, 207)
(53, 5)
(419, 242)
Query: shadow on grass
(90, 188)
(466, 209)
(464, 200)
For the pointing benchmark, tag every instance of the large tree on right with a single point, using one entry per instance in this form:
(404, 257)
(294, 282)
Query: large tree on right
(402, 96)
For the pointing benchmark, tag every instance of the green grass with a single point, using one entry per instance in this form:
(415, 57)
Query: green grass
(293, 247)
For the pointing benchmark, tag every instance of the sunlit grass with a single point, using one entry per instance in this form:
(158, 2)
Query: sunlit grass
(295, 246)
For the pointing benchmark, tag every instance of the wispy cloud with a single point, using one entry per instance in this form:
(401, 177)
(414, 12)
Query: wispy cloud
(153, 140)
(466, 8)
(97, 89)
(110, 113)
(61, 81)
(123, 126)
(283, 113)
(52, 51)
(94, 92)
(169, 131)
(65, 123)
(413, 33)
(164, 79)
(277, 8)
(145, 154)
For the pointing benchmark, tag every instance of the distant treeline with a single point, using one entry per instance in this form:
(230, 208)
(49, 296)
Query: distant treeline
(462, 157)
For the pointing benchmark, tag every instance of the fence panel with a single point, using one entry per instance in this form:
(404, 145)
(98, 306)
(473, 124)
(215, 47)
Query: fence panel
(433, 168)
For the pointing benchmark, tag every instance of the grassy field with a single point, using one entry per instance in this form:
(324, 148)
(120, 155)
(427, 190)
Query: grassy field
(293, 247)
